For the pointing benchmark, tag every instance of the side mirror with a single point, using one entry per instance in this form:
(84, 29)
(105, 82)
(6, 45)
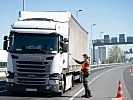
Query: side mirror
(5, 43)
(5, 38)
(65, 40)
(65, 47)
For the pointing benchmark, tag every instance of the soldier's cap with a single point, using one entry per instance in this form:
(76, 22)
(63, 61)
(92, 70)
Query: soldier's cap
(85, 55)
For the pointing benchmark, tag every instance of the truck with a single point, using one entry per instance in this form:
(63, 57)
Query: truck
(3, 62)
(40, 48)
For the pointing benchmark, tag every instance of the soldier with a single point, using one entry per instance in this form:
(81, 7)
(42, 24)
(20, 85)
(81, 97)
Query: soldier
(85, 72)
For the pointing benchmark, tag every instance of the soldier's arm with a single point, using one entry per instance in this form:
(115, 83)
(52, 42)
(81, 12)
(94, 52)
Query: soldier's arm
(77, 61)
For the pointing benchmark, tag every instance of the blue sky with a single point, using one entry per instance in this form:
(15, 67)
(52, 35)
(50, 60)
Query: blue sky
(110, 16)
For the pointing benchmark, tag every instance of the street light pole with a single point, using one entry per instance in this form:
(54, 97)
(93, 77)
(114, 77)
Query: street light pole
(101, 35)
(91, 30)
(77, 13)
(23, 5)
(91, 46)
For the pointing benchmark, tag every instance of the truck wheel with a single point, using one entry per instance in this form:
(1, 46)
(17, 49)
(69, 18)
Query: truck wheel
(80, 80)
(60, 93)
(64, 84)
(72, 81)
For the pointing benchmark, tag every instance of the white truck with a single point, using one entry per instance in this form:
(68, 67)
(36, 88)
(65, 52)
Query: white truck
(40, 48)
(3, 62)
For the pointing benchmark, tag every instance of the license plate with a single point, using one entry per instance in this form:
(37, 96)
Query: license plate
(31, 89)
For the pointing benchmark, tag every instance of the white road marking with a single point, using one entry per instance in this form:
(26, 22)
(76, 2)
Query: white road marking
(90, 83)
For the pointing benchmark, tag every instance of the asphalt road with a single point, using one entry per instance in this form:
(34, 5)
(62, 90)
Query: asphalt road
(128, 79)
(103, 84)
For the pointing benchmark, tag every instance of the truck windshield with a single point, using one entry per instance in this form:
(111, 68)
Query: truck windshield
(33, 43)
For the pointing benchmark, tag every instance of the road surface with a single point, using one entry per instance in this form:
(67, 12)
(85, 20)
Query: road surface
(103, 84)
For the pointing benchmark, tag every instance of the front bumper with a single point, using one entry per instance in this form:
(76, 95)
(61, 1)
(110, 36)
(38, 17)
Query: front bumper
(34, 88)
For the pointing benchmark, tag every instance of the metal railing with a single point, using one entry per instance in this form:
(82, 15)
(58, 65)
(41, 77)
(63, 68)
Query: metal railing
(93, 67)
(100, 66)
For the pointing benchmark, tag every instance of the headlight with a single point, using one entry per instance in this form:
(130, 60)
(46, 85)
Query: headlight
(53, 82)
(6, 73)
(9, 74)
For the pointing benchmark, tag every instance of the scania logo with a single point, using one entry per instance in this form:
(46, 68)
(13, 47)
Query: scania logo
(32, 57)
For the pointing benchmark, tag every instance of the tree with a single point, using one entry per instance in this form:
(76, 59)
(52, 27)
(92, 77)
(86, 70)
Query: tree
(115, 54)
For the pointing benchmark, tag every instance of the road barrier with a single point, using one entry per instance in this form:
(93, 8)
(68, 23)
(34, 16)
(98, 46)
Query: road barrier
(93, 67)
(120, 91)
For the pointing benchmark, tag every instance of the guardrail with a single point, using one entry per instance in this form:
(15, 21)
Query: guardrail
(93, 67)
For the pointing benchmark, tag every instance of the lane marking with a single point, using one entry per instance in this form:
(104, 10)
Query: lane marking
(90, 83)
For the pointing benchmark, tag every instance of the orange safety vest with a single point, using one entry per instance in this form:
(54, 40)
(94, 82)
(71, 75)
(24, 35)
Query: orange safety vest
(85, 67)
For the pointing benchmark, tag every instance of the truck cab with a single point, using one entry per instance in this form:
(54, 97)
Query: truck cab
(40, 48)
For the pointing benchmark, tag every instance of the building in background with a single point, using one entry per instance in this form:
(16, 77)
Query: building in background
(97, 59)
(100, 55)
(106, 39)
(3, 58)
(130, 39)
(129, 55)
(121, 38)
(114, 40)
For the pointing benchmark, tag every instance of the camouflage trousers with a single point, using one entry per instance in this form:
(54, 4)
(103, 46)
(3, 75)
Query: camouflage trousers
(85, 84)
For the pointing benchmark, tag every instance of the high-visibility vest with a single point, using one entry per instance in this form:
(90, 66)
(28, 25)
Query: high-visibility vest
(85, 67)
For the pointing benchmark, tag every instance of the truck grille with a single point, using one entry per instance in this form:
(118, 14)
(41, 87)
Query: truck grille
(32, 72)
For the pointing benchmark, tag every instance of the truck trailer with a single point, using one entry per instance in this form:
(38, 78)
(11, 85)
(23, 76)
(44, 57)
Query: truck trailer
(40, 48)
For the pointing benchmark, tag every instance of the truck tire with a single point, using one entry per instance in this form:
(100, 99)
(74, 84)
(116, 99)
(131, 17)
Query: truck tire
(72, 81)
(80, 80)
(64, 85)
(60, 93)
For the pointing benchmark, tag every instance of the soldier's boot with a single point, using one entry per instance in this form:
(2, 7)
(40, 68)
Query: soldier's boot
(85, 94)
(88, 94)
